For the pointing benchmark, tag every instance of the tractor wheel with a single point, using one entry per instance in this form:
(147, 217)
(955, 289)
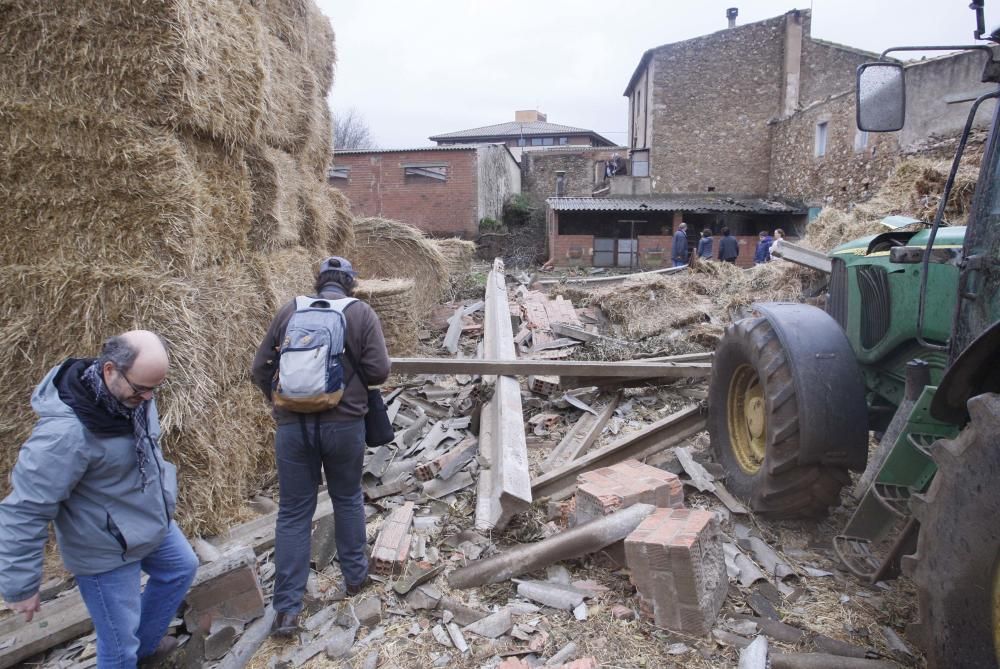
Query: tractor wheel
(956, 567)
(754, 424)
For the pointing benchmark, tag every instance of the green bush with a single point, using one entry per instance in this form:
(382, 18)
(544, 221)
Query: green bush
(488, 224)
(518, 210)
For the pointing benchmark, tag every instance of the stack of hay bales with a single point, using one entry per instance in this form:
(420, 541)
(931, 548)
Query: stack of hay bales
(392, 300)
(458, 255)
(165, 168)
(387, 249)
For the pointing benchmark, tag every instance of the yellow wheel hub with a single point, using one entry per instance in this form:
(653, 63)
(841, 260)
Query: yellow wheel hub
(746, 409)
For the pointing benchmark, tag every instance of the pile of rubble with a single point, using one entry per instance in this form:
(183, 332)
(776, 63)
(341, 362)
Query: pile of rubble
(524, 523)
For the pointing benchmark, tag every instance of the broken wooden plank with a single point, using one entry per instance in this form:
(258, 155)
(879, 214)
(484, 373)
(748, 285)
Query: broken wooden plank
(258, 533)
(508, 490)
(575, 542)
(658, 436)
(580, 334)
(511, 367)
(580, 437)
(800, 255)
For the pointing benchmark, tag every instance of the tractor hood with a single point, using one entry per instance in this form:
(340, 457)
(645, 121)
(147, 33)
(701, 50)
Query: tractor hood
(947, 237)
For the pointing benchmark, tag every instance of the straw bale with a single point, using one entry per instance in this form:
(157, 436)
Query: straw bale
(387, 249)
(392, 300)
(211, 322)
(286, 273)
(116, 189)
(458, 255)
(222, 459)
(342, 226)
(286, 95)
(316, 153)
(177, 63)
(915, 187)
(321, 50)
(277, 182)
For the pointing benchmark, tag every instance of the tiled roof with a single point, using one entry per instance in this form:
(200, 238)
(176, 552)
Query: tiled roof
(515, 129)
(449, 147)
(693, 203)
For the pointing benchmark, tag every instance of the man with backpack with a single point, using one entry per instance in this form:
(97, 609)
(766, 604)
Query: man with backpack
(315, 365)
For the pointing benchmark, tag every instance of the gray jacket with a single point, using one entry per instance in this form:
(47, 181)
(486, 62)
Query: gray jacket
(90, 487)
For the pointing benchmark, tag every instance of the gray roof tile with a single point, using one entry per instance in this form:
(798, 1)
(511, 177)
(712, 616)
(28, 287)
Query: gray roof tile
(693, 202)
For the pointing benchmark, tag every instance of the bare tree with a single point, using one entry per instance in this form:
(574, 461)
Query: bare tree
(351, 131)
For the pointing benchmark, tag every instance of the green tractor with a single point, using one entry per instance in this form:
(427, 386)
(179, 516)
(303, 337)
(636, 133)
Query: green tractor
(908, 346)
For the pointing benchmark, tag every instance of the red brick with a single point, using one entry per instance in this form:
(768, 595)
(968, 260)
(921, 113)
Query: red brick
(609, 489)
(676, 560)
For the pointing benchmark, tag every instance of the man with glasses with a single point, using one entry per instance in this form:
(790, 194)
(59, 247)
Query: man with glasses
(94, 467)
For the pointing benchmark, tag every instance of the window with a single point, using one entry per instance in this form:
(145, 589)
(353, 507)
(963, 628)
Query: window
(640, 163)
(339, 173)
(860, 141)
(542, 141)
(416, 172)
(821, 128)
(521, 141)
(563, 140)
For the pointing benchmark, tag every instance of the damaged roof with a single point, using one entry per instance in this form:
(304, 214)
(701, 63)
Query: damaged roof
(693, 203)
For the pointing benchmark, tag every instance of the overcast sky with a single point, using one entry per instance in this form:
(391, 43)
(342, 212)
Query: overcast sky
(415, 69)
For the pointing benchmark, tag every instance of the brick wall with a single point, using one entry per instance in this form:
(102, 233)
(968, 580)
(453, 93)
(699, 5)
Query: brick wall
(848, 172)
(654, 251)
(377, 187)
(571, 250)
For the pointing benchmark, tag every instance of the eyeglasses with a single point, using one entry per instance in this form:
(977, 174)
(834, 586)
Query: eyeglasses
(138, 390)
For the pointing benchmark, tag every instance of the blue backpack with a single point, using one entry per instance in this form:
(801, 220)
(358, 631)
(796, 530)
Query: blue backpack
(310, 374)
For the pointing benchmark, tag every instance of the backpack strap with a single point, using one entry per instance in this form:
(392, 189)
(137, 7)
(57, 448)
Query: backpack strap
(355, 363)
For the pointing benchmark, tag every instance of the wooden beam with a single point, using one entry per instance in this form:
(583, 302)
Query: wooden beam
(580, 437)
(57, 622)
(510, 367)
(580, 334)
(800, 255)
(662, 434)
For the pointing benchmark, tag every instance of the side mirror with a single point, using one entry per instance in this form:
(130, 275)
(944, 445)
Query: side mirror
(881, 97)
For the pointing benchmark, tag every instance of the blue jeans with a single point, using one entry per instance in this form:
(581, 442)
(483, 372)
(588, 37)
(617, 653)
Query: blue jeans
(339, 449)
(130, 621)
(679, 263)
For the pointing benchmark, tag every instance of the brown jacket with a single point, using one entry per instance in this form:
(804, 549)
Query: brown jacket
(364, 341)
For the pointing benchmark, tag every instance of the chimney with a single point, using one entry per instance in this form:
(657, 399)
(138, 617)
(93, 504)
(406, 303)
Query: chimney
(731, 14)
(528, 116)
(792, 67)
(560, 183)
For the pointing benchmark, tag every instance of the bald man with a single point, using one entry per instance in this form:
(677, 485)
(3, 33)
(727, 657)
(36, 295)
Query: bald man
(94, 467)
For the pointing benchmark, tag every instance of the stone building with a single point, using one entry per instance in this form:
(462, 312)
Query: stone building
(762, 115)
(443, 190)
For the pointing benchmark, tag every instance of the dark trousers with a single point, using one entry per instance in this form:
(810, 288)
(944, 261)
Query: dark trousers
(339, 448)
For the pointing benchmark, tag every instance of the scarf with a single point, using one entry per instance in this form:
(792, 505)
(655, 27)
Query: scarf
(93, 380)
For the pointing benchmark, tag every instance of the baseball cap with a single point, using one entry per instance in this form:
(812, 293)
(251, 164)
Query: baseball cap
(338, 264)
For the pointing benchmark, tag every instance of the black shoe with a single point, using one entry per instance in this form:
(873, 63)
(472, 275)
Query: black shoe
(285, 624)
(356, 589)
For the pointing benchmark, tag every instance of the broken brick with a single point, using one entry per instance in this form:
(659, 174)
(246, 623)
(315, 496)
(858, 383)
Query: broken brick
(677, 565)
(603, 491)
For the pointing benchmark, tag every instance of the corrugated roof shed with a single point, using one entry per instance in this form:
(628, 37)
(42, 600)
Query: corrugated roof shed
(693, 203)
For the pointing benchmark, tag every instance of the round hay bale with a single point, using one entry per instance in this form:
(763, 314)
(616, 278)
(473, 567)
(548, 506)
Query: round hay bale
(458, 255)
(392, 300)
(387, 249)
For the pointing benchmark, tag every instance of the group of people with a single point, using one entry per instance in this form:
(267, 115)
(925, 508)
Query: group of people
(94, 467)
(729, 247)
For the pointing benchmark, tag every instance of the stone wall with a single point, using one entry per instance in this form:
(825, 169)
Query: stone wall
(854, 166)
(712, 98)
(580, 165)
(498, 177)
